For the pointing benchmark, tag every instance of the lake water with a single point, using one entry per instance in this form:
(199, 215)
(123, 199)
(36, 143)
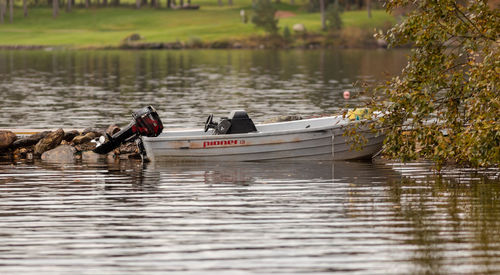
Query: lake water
(97, 88)
(126, 217)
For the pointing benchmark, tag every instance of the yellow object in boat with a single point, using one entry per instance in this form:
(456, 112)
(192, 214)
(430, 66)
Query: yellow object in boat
(358, 114)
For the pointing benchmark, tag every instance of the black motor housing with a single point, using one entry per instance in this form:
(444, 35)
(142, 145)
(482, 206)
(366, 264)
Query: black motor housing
(146, 122)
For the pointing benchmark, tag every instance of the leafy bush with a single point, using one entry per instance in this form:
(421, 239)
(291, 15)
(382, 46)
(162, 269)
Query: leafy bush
(222, 44)
(333, 20)
(263, 16)
(445, 104)
(287, 35)
(195, 42)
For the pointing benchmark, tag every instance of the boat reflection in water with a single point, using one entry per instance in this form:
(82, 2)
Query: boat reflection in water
(253, 217)
(267, 172)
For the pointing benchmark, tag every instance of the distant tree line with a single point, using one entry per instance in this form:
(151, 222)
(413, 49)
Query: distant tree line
(7, 6)
(345, 5)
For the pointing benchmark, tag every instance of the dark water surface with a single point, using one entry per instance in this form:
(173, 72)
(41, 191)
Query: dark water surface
(97, 88)
(125, 217)
(258, 218)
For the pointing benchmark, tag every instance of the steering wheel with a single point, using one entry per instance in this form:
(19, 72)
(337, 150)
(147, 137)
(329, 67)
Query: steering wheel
(209, 123)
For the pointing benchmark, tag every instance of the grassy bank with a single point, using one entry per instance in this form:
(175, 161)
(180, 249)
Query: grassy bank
(108, 26)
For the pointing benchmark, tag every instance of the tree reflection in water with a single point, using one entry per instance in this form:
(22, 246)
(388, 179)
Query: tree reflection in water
(452, 220)
(263, 217)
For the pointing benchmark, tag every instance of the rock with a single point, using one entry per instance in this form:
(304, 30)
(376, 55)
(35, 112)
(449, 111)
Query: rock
(81, 139)
(173, 45)
(299, 28)
(112, 129)
(6, 139)
(93, 135)
(20, 153)
(49, 142)
(97, 132)
(220, 44)
(24, 152)
(132, 37)
(69, 136)
(61, 154)
(127, 150)
(89, 146)
(31, 140)
(153, 45)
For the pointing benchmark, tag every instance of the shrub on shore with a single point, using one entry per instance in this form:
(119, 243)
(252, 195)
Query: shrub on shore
(264, 16)
(447, 95)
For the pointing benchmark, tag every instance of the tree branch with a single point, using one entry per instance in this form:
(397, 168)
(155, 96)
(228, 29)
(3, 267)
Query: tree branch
(457, 8)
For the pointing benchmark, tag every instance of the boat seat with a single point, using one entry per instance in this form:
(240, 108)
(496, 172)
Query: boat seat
(240, 123)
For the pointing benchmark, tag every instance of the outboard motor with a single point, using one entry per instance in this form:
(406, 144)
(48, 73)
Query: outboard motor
(146, 122)
(238, 122)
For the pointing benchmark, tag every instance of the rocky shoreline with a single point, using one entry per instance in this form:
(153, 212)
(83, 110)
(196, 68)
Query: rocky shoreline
(61, 146)
(304, 41)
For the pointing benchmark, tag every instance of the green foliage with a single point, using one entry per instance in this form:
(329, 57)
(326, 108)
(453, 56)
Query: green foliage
(195, 42)
(245, 18)
(264, 16)
(333, 20)
(445, 104)
(287, 35)
(312, 6)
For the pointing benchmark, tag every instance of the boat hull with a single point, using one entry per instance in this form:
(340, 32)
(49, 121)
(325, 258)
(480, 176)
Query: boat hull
(326, 143)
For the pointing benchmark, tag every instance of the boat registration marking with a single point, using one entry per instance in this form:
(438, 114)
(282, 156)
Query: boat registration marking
(213, 143)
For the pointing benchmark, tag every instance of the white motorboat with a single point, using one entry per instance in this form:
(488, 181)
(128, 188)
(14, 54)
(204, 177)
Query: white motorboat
(308, 139)
(237, 138)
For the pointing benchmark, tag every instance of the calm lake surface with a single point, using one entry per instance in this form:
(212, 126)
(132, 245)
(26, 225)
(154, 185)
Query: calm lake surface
(97, 88)
(125, 217)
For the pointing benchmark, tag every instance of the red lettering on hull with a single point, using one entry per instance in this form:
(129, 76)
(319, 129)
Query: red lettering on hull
(230, 142)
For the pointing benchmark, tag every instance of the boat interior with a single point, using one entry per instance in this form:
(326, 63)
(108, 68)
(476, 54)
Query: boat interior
(286, 126)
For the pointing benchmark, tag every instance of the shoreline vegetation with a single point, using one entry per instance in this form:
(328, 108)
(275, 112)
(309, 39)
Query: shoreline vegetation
(313, 41)
(209, 27)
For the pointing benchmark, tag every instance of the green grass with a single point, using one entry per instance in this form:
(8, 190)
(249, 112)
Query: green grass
(107, 26)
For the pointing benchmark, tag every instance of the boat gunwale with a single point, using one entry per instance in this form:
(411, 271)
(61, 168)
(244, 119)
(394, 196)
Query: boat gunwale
(256, 134)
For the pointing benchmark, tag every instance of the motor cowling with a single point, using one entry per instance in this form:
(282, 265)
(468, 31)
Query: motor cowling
(146, 122)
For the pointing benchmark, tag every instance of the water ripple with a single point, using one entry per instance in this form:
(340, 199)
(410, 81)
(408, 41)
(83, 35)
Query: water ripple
(346, 217)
